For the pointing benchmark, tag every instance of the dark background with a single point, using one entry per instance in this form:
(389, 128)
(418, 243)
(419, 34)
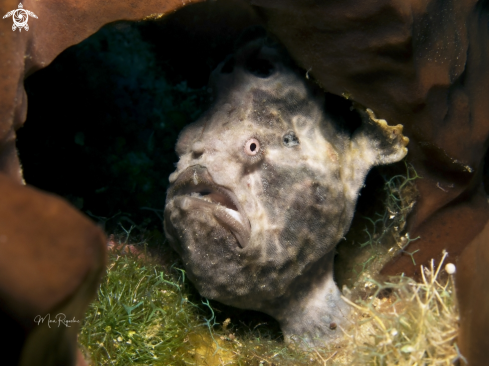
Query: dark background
(104, 117)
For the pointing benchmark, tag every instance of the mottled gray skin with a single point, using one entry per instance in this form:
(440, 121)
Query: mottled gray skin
(258, 231)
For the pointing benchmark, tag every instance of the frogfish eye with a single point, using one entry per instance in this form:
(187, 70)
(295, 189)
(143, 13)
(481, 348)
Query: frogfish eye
(252, 147)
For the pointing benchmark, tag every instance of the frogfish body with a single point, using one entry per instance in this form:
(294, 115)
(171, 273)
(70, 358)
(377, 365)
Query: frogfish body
(265, 188)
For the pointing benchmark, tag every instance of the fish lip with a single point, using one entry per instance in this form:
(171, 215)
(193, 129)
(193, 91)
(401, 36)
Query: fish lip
(197, 178)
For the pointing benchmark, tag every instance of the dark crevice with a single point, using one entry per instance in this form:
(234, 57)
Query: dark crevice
(259, 67)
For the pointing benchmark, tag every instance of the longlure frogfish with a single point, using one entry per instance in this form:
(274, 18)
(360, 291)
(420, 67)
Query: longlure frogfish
(265, 188)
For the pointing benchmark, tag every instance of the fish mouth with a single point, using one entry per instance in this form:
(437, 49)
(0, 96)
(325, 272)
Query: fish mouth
(196, 189)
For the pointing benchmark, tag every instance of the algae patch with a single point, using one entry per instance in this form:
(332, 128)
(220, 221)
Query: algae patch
(149, 314)
(143, 316)
(405, 322)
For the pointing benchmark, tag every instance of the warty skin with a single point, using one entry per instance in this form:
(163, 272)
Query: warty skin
(265, 188)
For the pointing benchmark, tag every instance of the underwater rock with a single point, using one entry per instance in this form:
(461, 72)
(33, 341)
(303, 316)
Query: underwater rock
(422, 64)
(51, 263)
(52, 256)
(265, 188)
(471, 280)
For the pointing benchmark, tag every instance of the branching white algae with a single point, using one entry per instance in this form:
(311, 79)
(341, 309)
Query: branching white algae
(405, 322)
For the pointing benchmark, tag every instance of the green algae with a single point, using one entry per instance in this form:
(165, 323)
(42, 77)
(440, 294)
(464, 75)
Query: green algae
(143, 316)
(147, 314)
